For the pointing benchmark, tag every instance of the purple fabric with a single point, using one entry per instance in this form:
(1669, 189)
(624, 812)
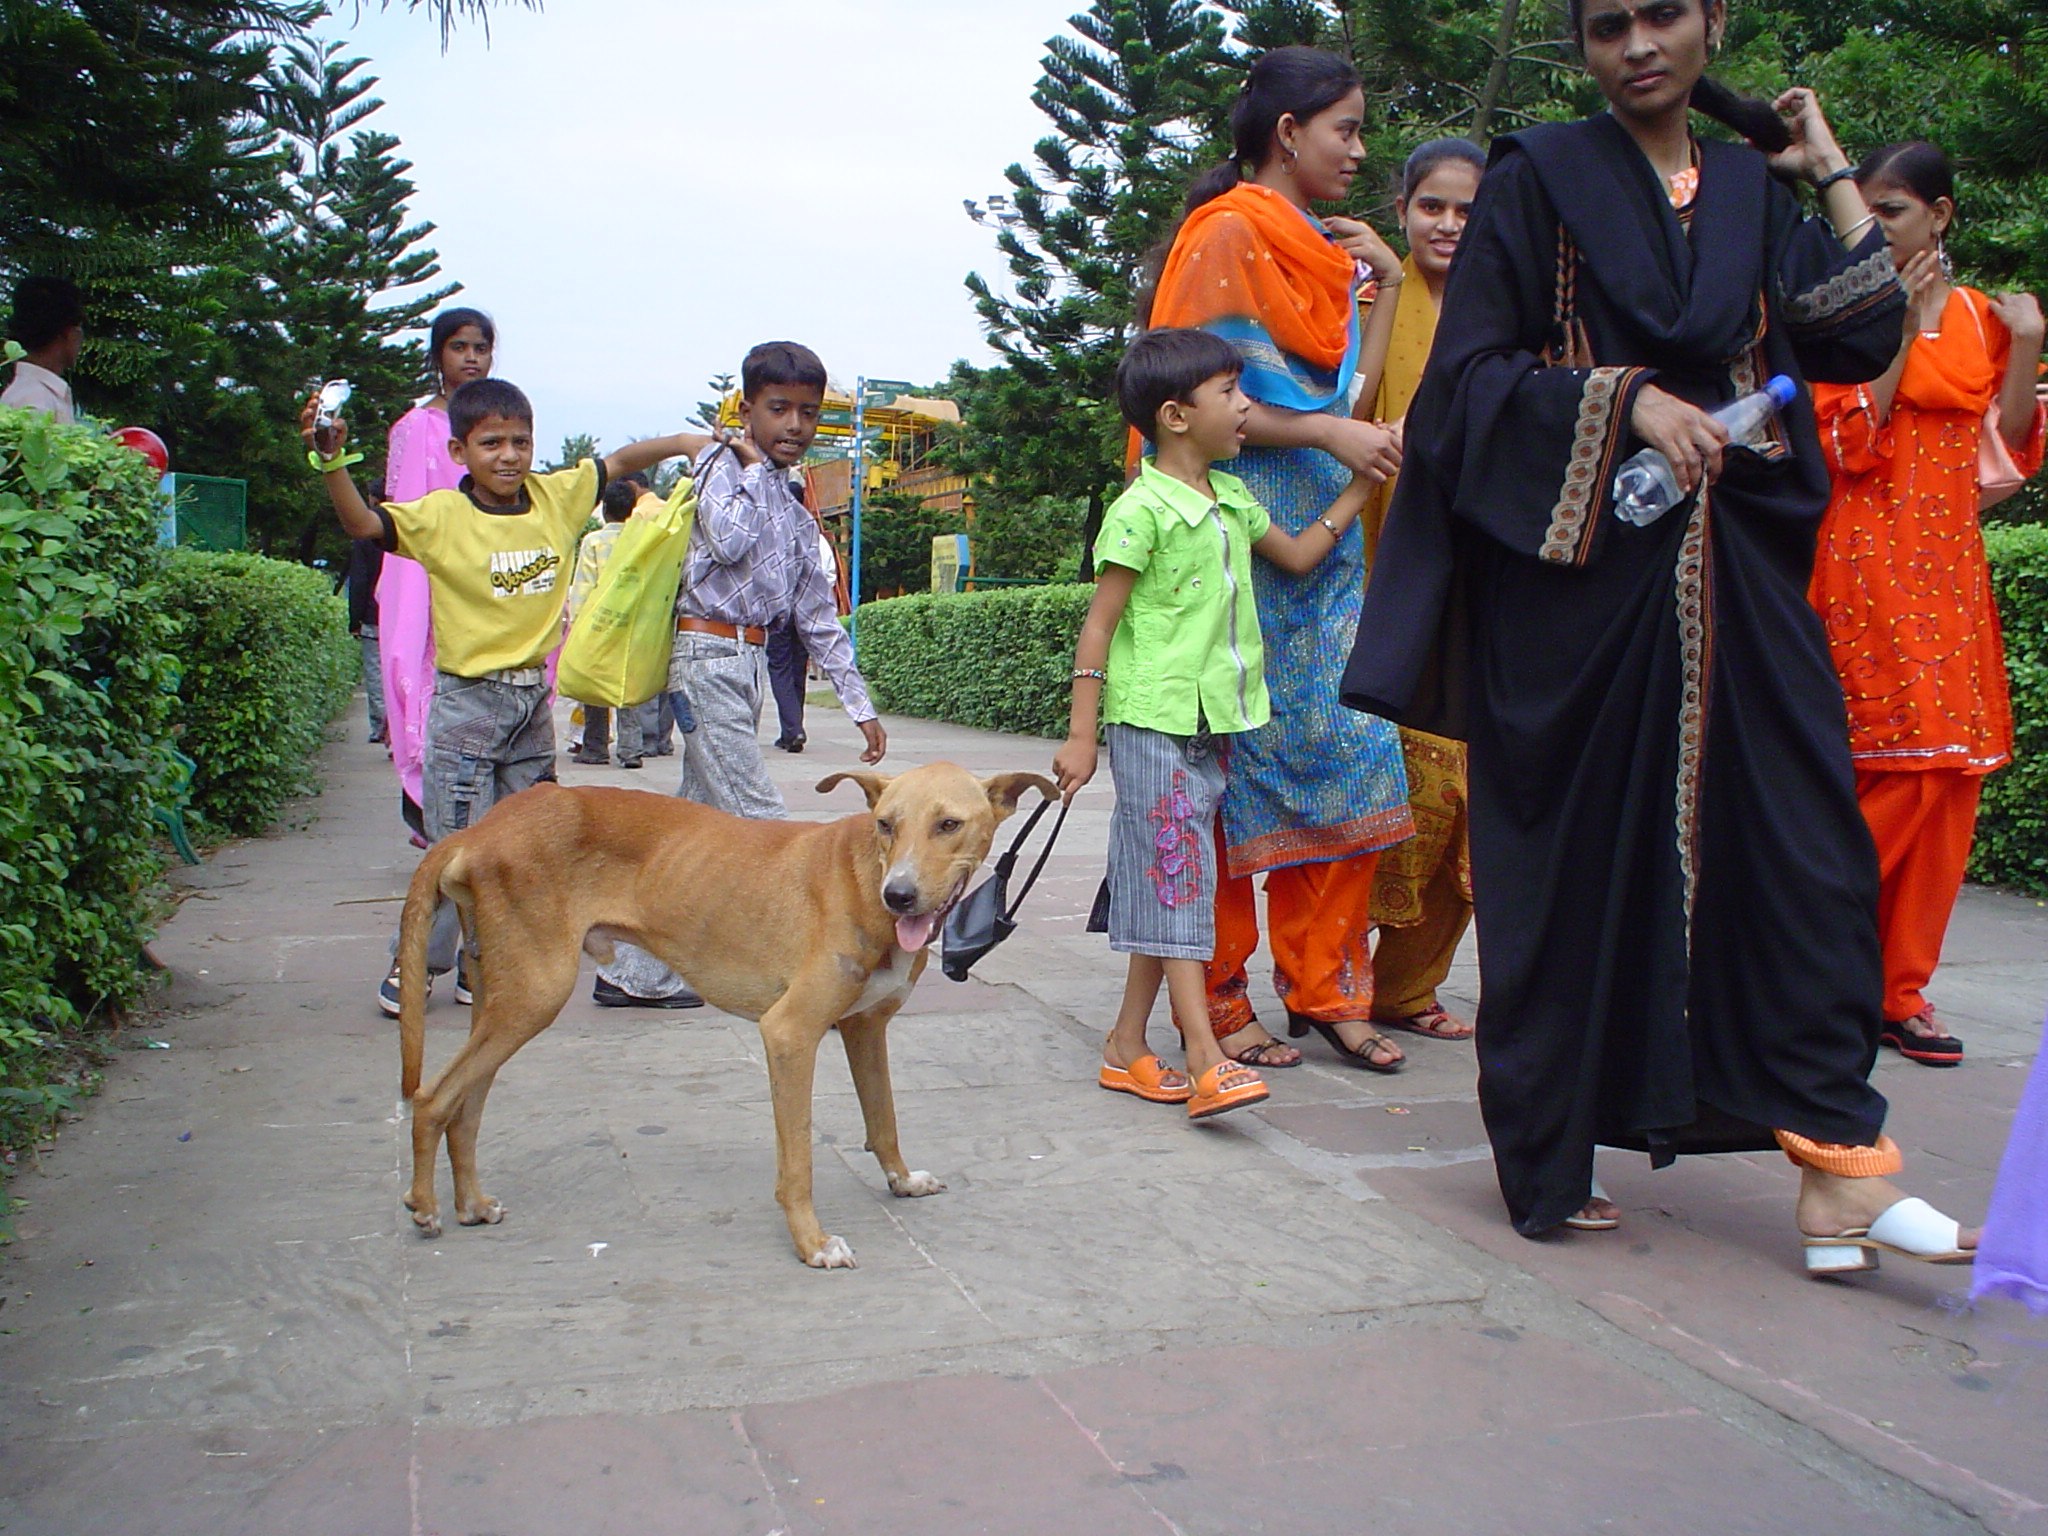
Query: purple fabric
(2012, 1257)
(418, 462)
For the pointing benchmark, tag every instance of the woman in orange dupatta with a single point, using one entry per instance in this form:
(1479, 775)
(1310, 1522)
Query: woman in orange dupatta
(1315, 795)
(1902, 583)
(1422, 895)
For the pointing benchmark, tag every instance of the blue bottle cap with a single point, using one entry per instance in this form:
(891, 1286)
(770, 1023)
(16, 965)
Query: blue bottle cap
(1782, 390)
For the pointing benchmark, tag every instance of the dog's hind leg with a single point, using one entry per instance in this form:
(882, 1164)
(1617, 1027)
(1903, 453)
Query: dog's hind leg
(866, 1038)
(536, 986)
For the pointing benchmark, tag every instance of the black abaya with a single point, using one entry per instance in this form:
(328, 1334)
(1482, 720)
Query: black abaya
(1675, 891)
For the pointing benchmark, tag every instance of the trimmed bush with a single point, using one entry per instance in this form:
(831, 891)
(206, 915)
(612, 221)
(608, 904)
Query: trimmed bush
(265, 662)
(2012, 825)
(999, 660)
(84, 753)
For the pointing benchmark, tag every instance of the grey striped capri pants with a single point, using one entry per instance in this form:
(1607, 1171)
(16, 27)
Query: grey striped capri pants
(1162, 843)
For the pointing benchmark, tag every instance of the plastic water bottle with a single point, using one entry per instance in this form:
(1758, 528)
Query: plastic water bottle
(1645, 488)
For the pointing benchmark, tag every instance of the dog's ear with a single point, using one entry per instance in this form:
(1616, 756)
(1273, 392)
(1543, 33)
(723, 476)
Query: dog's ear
(1005, 789)
(871, 784)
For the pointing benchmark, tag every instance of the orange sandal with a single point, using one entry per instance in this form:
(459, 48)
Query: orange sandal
(1145, 1078)
(1224, 1087)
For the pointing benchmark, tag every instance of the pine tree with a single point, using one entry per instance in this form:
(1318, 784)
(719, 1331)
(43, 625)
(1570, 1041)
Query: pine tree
(346, 271)
(1136, 96)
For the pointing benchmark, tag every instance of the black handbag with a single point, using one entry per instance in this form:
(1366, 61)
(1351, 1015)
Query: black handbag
(985, 916)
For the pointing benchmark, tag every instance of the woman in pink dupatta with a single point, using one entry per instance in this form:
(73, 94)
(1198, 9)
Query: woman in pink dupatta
(460, 346)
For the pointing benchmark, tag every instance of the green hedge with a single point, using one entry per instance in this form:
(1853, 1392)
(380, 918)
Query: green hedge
(265, 663)
(84, 752)
(999, 660)
(2012, 826)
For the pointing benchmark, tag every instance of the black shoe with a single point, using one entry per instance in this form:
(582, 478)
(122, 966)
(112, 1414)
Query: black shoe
(629, 762)
(590, 760)
(792, 743)
(605, 995)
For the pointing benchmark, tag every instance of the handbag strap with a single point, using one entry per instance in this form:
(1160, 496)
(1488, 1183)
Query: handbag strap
(1008, 862)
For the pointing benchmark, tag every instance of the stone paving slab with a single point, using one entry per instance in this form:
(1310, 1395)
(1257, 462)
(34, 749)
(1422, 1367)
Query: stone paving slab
(1308, 1317)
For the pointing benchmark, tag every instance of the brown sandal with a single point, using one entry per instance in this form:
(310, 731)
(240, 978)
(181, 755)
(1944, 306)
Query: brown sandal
(1434, 1021)
(1258, 1055)
(1368, 1055)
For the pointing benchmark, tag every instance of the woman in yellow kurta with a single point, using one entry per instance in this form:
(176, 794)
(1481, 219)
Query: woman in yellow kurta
(1422, 895)
(1901, 580)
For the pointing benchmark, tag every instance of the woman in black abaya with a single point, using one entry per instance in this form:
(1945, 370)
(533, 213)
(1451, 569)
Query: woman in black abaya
(1677, 892)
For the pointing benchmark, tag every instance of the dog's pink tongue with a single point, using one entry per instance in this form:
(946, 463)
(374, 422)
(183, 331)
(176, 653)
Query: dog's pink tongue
(913, 933)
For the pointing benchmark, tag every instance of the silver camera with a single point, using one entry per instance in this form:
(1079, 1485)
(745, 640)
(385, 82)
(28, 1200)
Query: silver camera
(333, 396)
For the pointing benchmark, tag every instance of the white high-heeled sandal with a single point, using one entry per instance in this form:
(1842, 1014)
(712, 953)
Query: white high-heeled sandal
(1579, 1221)
(1910, 1228)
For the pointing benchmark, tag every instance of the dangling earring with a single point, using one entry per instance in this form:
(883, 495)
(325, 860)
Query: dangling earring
(1948, 267)
(1287, 161)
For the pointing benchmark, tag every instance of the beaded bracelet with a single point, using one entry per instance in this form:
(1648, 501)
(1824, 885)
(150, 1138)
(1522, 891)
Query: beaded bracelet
(1095, 672)
(1820, 187)
(1336, 533)
(329, 466)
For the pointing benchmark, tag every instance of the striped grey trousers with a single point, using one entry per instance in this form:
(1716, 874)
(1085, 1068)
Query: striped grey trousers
(1162, 843)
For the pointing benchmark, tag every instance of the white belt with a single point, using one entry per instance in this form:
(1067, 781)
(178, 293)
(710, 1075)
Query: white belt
(518, 677)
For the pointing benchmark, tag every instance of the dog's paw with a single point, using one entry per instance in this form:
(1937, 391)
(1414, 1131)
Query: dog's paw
(487, 1212)
(836, 1254)
(916, 1182)
(427, 1222)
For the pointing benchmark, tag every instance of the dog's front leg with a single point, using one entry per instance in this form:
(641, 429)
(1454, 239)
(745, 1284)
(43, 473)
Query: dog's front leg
(790, 1032)
(866, 1038)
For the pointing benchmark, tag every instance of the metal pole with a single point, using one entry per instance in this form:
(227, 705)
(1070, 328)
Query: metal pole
(860, 477)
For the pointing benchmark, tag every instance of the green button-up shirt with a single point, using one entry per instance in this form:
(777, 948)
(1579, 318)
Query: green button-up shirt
(1187, 652)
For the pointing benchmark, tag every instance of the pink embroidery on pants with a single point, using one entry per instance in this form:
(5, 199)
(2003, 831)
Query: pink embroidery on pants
(1176, 846)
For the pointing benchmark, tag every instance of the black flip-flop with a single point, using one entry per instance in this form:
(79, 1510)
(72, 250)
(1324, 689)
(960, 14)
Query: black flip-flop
(1928, 1050)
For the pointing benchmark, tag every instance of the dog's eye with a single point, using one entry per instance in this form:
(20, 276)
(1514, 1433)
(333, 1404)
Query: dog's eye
(949, 826)
(885, 828)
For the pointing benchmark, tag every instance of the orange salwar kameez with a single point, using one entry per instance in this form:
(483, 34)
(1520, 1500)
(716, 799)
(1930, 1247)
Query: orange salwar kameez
(1902, 585)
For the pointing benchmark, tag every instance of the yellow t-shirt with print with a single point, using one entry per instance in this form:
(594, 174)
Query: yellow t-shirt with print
(497, 579)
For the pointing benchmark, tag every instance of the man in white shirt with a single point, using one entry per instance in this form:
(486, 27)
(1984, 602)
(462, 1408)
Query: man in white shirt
(49, 321)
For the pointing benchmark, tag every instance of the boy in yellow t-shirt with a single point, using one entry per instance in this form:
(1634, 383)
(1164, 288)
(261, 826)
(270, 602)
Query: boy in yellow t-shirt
(498, 552)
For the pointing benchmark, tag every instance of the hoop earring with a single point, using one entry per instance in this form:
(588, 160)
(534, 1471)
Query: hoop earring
(1287, 161)
(1948, 267)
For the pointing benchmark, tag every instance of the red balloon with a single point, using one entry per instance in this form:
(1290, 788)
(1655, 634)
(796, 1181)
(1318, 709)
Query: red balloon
(148, 444)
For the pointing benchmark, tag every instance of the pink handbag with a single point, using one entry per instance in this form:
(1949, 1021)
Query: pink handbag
(1997, 475)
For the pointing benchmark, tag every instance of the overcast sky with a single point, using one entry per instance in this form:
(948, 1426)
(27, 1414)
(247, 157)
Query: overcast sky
(639, 190)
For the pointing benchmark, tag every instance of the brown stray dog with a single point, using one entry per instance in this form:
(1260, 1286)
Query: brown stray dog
(799, 925)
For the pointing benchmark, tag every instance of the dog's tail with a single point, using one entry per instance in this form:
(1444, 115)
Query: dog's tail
(440, 867)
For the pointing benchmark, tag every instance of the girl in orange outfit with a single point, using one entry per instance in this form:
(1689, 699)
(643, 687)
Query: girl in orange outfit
(1901, 582)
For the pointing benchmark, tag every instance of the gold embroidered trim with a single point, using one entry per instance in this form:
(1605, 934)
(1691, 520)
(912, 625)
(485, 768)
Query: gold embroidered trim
(1845, 290)
(1695, 647)
(1585, 474)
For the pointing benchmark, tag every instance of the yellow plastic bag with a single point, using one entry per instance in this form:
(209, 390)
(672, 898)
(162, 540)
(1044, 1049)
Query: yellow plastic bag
(619, 642)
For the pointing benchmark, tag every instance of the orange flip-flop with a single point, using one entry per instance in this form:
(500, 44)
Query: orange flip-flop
(1144, 1078)
(1224, 1087)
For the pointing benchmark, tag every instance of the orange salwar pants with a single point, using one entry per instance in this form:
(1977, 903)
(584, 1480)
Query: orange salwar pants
(1922, 823)
(1318, 917)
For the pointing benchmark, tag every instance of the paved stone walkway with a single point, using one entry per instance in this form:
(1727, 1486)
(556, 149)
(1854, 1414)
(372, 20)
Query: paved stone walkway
(1308, 1318)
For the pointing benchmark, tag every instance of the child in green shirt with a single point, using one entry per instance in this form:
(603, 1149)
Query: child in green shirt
(1170, 653)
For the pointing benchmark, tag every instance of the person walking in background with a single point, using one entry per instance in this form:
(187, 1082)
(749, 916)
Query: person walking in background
(1902, 583)
(591, 557)
(1317, 793)
(365, 561)
(1422, 891)
(1677, 893)
(460, 347)
(48, 319)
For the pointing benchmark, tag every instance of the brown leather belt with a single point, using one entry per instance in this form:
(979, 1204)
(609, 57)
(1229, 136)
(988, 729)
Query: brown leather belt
(753, 634)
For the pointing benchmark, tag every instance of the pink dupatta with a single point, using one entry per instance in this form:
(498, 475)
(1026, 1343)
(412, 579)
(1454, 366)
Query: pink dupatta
(418, 462)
